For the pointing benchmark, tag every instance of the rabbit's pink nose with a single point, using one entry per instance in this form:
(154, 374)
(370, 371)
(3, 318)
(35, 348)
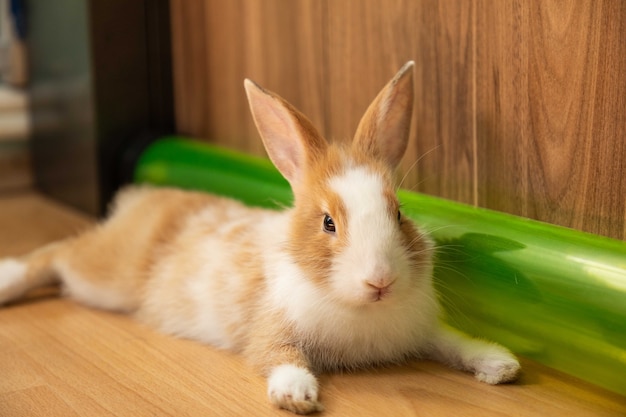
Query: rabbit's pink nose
(380, 287)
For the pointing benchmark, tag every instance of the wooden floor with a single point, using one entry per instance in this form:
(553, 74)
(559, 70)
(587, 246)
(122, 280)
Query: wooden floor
(61, 359)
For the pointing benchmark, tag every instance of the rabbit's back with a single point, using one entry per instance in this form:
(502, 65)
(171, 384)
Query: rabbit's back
(207, 282)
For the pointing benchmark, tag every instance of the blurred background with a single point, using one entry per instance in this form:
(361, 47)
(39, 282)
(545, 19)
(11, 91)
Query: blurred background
(15, 168)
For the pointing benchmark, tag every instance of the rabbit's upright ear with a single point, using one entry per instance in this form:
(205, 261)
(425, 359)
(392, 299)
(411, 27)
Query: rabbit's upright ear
(290, 139)
(383, 132)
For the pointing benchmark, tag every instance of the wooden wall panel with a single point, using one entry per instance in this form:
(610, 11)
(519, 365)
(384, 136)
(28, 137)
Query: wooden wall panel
(605, 204)
(520, 105)
(550, 111)
(501, 111)
(357, 68)
(189, 56)
(368, 43)
(217, 44)
(445, 139)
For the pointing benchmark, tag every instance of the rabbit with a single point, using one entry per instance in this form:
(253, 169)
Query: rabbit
(340, 281)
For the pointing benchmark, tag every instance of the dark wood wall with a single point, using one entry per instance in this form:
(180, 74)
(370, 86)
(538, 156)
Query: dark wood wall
(520, 104)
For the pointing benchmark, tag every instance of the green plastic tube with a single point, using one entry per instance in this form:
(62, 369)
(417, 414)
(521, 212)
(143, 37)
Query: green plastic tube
(549, 293)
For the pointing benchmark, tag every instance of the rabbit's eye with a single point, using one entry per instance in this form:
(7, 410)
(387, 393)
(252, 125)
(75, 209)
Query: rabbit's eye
(329, 224)
(399, 217)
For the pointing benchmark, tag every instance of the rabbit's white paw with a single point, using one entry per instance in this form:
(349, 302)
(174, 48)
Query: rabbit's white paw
(12, 281)
(497, 368)
(294, 389)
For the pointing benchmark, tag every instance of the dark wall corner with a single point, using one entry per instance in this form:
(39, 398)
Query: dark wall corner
(100, 81)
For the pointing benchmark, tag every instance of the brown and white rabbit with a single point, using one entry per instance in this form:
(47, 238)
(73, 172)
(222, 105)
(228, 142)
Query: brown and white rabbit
(340, 281)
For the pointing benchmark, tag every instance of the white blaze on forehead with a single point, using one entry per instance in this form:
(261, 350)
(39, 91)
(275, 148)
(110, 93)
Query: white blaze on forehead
(362, 193)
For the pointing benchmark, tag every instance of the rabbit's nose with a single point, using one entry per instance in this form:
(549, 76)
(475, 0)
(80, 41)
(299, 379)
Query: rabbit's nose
(380, 286)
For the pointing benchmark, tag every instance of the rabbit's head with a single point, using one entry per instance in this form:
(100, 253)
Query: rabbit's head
(347, 231)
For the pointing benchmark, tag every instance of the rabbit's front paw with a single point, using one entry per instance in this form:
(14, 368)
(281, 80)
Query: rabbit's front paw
(497, 368)
(294, 389)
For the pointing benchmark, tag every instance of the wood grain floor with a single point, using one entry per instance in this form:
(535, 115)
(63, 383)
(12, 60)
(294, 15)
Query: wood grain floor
(58, 358)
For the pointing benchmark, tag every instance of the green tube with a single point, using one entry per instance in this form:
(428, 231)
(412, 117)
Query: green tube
(549, 293)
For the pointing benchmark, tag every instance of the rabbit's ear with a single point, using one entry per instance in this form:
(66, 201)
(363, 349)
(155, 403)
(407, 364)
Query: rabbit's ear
(290, 139)
(383, 132)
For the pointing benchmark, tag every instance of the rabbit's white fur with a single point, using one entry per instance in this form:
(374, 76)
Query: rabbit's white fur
(294, 298)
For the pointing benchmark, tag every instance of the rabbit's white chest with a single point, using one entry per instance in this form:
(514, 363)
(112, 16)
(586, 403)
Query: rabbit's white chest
(364, 338)
(339, 336)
